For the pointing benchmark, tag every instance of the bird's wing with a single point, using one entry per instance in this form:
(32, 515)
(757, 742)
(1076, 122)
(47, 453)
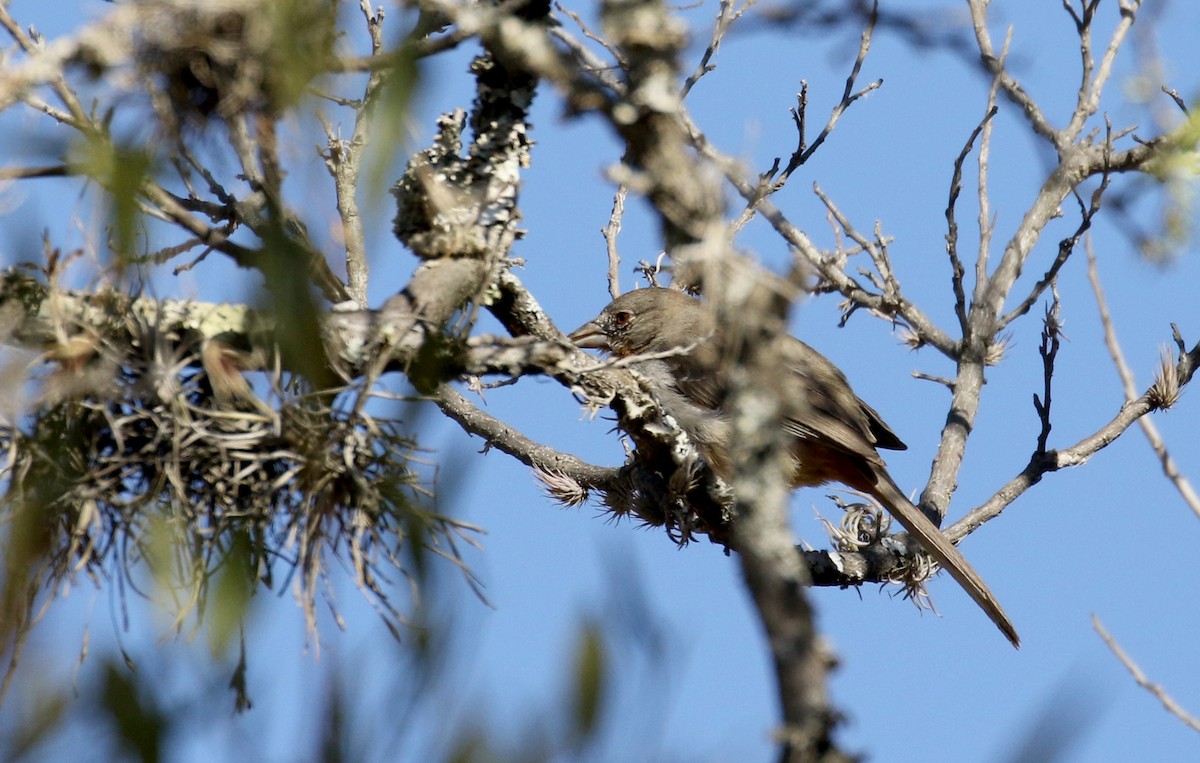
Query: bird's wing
(703, 386)
(834, 415)
(883, 434)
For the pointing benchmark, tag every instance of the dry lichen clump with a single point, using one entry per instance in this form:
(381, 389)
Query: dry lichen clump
(100, 475)
(232, 56)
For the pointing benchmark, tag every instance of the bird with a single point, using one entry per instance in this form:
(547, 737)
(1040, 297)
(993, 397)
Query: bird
(833, 435)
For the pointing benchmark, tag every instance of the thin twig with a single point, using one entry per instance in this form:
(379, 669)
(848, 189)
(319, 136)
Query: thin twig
(849, 96)
(610, 232)
(986, 221)
(1149, 429)
(24, 173)
(343, 160)
(726, 16)
(1051, 340)
(507, 439)
(1089, 105)
(957, 272)
(1174, 95)
(1173, 707)
(589, 34)
(1008, 84)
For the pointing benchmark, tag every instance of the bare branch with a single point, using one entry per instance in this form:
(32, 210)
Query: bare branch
(1149, 429)
(688, 200)
(1178, 99)
(986, 223)
(1051, 340)
(24, 173)
(726, 16)
(1091, 91)
(585, 56)
(1011, 88)
(505, 438)
(957, 272)
(1173, 707)
(1076, 455)
(343, 159)
(849, 96)
(45, 64)
(828, 268)
(1061, 181)
(610, 232)
(773, 180)
(1065, 248)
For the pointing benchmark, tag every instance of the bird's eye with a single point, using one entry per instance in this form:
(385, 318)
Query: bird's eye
(622, 318)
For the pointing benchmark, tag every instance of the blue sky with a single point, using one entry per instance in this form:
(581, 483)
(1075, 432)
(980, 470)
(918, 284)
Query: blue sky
(1110, 538)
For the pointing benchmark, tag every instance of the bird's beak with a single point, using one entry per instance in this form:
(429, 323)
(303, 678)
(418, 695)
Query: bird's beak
(590, 336)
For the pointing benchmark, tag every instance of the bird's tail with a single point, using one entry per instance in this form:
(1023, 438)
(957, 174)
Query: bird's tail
(936, 545)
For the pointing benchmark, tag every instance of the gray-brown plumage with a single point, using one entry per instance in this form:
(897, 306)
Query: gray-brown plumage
(835, 434)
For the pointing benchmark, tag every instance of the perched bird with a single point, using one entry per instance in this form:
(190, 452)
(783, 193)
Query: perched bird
(834, 435)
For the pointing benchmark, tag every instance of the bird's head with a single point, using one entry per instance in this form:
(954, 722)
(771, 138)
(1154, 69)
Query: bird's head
(646, 321)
